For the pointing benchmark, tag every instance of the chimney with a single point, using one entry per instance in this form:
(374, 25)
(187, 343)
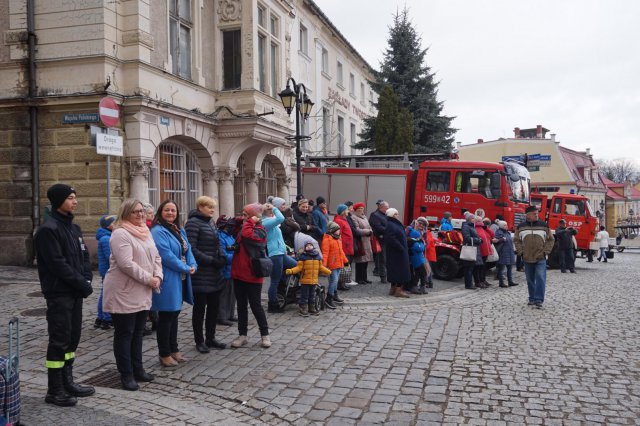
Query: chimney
(480, 141)
(539, 131)
(516, 132)
(588, 151)
(458, 144)
(553, 136)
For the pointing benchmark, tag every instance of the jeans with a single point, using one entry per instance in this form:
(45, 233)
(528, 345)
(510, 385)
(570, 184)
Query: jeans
(127, 341)
(536, 280)
(249, 294)
(167, 333)
(205, 303)
(280, 263)
(500, 268)
(566, 259)
(333, 282)
(105, 316)
(307, 294)
(603, 255)
(468, 274)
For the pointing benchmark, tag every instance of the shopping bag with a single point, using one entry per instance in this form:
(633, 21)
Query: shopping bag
(493, 256)
(345, 275)
(468, 253)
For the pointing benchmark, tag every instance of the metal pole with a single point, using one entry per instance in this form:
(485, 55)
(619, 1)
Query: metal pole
(108, 184)
(298, 151)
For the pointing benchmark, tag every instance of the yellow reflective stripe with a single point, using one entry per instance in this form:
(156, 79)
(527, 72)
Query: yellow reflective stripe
(54, 364)
(69, 355)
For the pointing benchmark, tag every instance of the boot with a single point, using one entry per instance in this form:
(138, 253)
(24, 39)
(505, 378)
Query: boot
(512, 284)
(55, 393)
(399, 292)
(313, 311)
(128, 382)
(72, 388)
(303, 311)
(423, 289)
(273, 308)
(328, 302)
(415, 290)
(337, 300)
(502, 284)
(392, 290)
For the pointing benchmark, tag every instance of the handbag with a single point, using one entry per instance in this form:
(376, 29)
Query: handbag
(261, 264)
(469, 253)
(375, 244)
(358, 247)
(345, 275)
(493, 256)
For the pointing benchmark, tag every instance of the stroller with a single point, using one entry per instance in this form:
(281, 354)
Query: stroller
(289, 289)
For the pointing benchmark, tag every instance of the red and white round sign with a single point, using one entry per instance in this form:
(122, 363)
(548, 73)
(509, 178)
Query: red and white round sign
(109, 112)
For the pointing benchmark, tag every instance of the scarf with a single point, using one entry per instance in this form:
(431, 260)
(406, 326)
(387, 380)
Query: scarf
(141, 232)
(175, 231)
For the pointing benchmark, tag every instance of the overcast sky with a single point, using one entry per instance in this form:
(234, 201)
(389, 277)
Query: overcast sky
(571, 65)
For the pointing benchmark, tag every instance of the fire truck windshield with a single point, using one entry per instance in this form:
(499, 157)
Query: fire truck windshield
(519, 181)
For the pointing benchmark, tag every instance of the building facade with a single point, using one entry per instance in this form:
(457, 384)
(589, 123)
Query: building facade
(553, 168)
(197, 86)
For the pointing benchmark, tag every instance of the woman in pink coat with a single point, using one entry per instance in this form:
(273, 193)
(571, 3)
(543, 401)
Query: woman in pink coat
(135, 271)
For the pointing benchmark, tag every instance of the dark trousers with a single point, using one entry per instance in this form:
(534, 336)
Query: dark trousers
(565, 256)
(361, 271)
(419, 275)
(205, 304)
(380, 260)
(307, 294)
(167, 333)
(249, 294)
(469, 268)
(127, 341)
(64, 319)
(227, 305)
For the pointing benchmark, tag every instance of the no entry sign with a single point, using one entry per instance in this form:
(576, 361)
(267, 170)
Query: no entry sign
(109, 112)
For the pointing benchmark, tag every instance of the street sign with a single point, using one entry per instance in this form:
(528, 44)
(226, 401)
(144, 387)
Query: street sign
(109, 112)
(109, 145)
(87, 117)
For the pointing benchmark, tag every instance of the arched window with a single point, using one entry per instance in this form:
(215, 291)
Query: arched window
(175, 175)
(268, 184)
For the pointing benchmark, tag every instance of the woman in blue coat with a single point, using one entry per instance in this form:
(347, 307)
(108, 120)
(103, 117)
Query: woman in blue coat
(397, 261)
(504, 247)
(178, 264)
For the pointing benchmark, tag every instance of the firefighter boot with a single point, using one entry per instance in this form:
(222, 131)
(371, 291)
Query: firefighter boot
(55, 393)
(72, 388)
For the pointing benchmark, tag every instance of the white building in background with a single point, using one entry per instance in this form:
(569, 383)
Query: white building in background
(197, 82)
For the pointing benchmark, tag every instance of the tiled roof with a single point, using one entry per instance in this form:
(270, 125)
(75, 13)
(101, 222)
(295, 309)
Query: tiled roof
(576, 162)
(614, 195)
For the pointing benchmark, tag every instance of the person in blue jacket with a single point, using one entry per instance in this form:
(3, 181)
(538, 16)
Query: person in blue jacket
(103, 235)
(320, 218)
(272, 217)
(445, 223)
(227, 231)
(178, 264)
(417, 259)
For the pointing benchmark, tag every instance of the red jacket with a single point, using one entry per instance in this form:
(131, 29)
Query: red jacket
(241, 264)
(346, 235)
(430, 247)
(486, 235)
(332, 253)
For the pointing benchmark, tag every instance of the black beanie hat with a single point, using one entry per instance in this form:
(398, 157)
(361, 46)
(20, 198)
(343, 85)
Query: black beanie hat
(58, 193)
(320, 200)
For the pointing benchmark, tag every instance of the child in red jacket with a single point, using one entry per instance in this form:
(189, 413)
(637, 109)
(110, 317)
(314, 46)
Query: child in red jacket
(334, 258)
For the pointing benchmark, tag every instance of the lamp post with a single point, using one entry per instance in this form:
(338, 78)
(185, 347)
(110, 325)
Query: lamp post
(297, 99)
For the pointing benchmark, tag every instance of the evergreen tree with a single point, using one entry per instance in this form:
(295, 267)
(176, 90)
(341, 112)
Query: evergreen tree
(413, 82)
(393, 126)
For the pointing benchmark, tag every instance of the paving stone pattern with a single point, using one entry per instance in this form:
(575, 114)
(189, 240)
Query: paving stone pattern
(451, 357)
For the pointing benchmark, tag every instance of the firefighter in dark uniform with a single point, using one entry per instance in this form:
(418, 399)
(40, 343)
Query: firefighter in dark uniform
(65, 277)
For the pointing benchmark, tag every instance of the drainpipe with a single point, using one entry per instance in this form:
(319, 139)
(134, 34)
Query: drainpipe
(33, 118)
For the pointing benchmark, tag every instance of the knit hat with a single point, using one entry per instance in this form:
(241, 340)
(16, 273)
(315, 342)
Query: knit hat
(332, 227)
(341, 208)
(468, 215)
(299, 197)
(502, 224)
(107, 220)
(391, 212)
(222, 222)
(320, 200)
(58, 193)
(276, 201)
(531, 209)
(348, 203)
(423, 220)
(480, 213)
(447, 215)
(356, 206)
(254, 209)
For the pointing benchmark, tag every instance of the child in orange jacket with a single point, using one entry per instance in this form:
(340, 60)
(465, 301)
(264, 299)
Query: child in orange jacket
(333, 257)
(310, 265)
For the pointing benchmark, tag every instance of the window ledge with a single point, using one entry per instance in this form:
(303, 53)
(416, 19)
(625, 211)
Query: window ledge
(340, 86)
(304, 56)
(326, 75)
(352, 96)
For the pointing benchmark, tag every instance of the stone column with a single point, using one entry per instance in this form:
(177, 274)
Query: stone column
(225, 179)
(251, 181)
(210, 183)
(139, 169)
(283, 187)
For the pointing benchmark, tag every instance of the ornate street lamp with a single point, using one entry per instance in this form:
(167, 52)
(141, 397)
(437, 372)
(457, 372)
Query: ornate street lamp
(298, 99)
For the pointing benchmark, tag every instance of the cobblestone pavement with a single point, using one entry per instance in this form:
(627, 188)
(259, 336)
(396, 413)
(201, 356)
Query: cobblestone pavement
(453, 357)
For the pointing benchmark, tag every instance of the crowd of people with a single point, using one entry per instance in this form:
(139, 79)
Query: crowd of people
(151, 264)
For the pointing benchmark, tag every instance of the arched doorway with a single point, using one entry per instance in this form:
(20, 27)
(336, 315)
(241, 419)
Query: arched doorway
(175, 175)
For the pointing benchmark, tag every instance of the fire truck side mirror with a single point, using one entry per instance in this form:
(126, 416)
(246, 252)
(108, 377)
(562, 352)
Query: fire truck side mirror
(496, 181)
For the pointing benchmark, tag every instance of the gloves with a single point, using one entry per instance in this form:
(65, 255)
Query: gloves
(86, 290)
(288, 272)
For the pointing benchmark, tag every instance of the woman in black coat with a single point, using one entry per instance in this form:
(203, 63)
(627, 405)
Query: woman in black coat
(208, 281)
(397, 261)
(470, 237)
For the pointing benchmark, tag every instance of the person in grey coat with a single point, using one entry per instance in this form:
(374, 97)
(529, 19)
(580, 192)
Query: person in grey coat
(470, 237)
(506, 251)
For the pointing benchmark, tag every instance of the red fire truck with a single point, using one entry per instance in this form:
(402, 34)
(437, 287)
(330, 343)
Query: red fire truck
(423, 185)
(577, 213)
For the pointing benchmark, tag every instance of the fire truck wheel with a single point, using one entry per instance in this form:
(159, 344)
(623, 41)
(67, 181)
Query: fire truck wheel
(446, 268)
